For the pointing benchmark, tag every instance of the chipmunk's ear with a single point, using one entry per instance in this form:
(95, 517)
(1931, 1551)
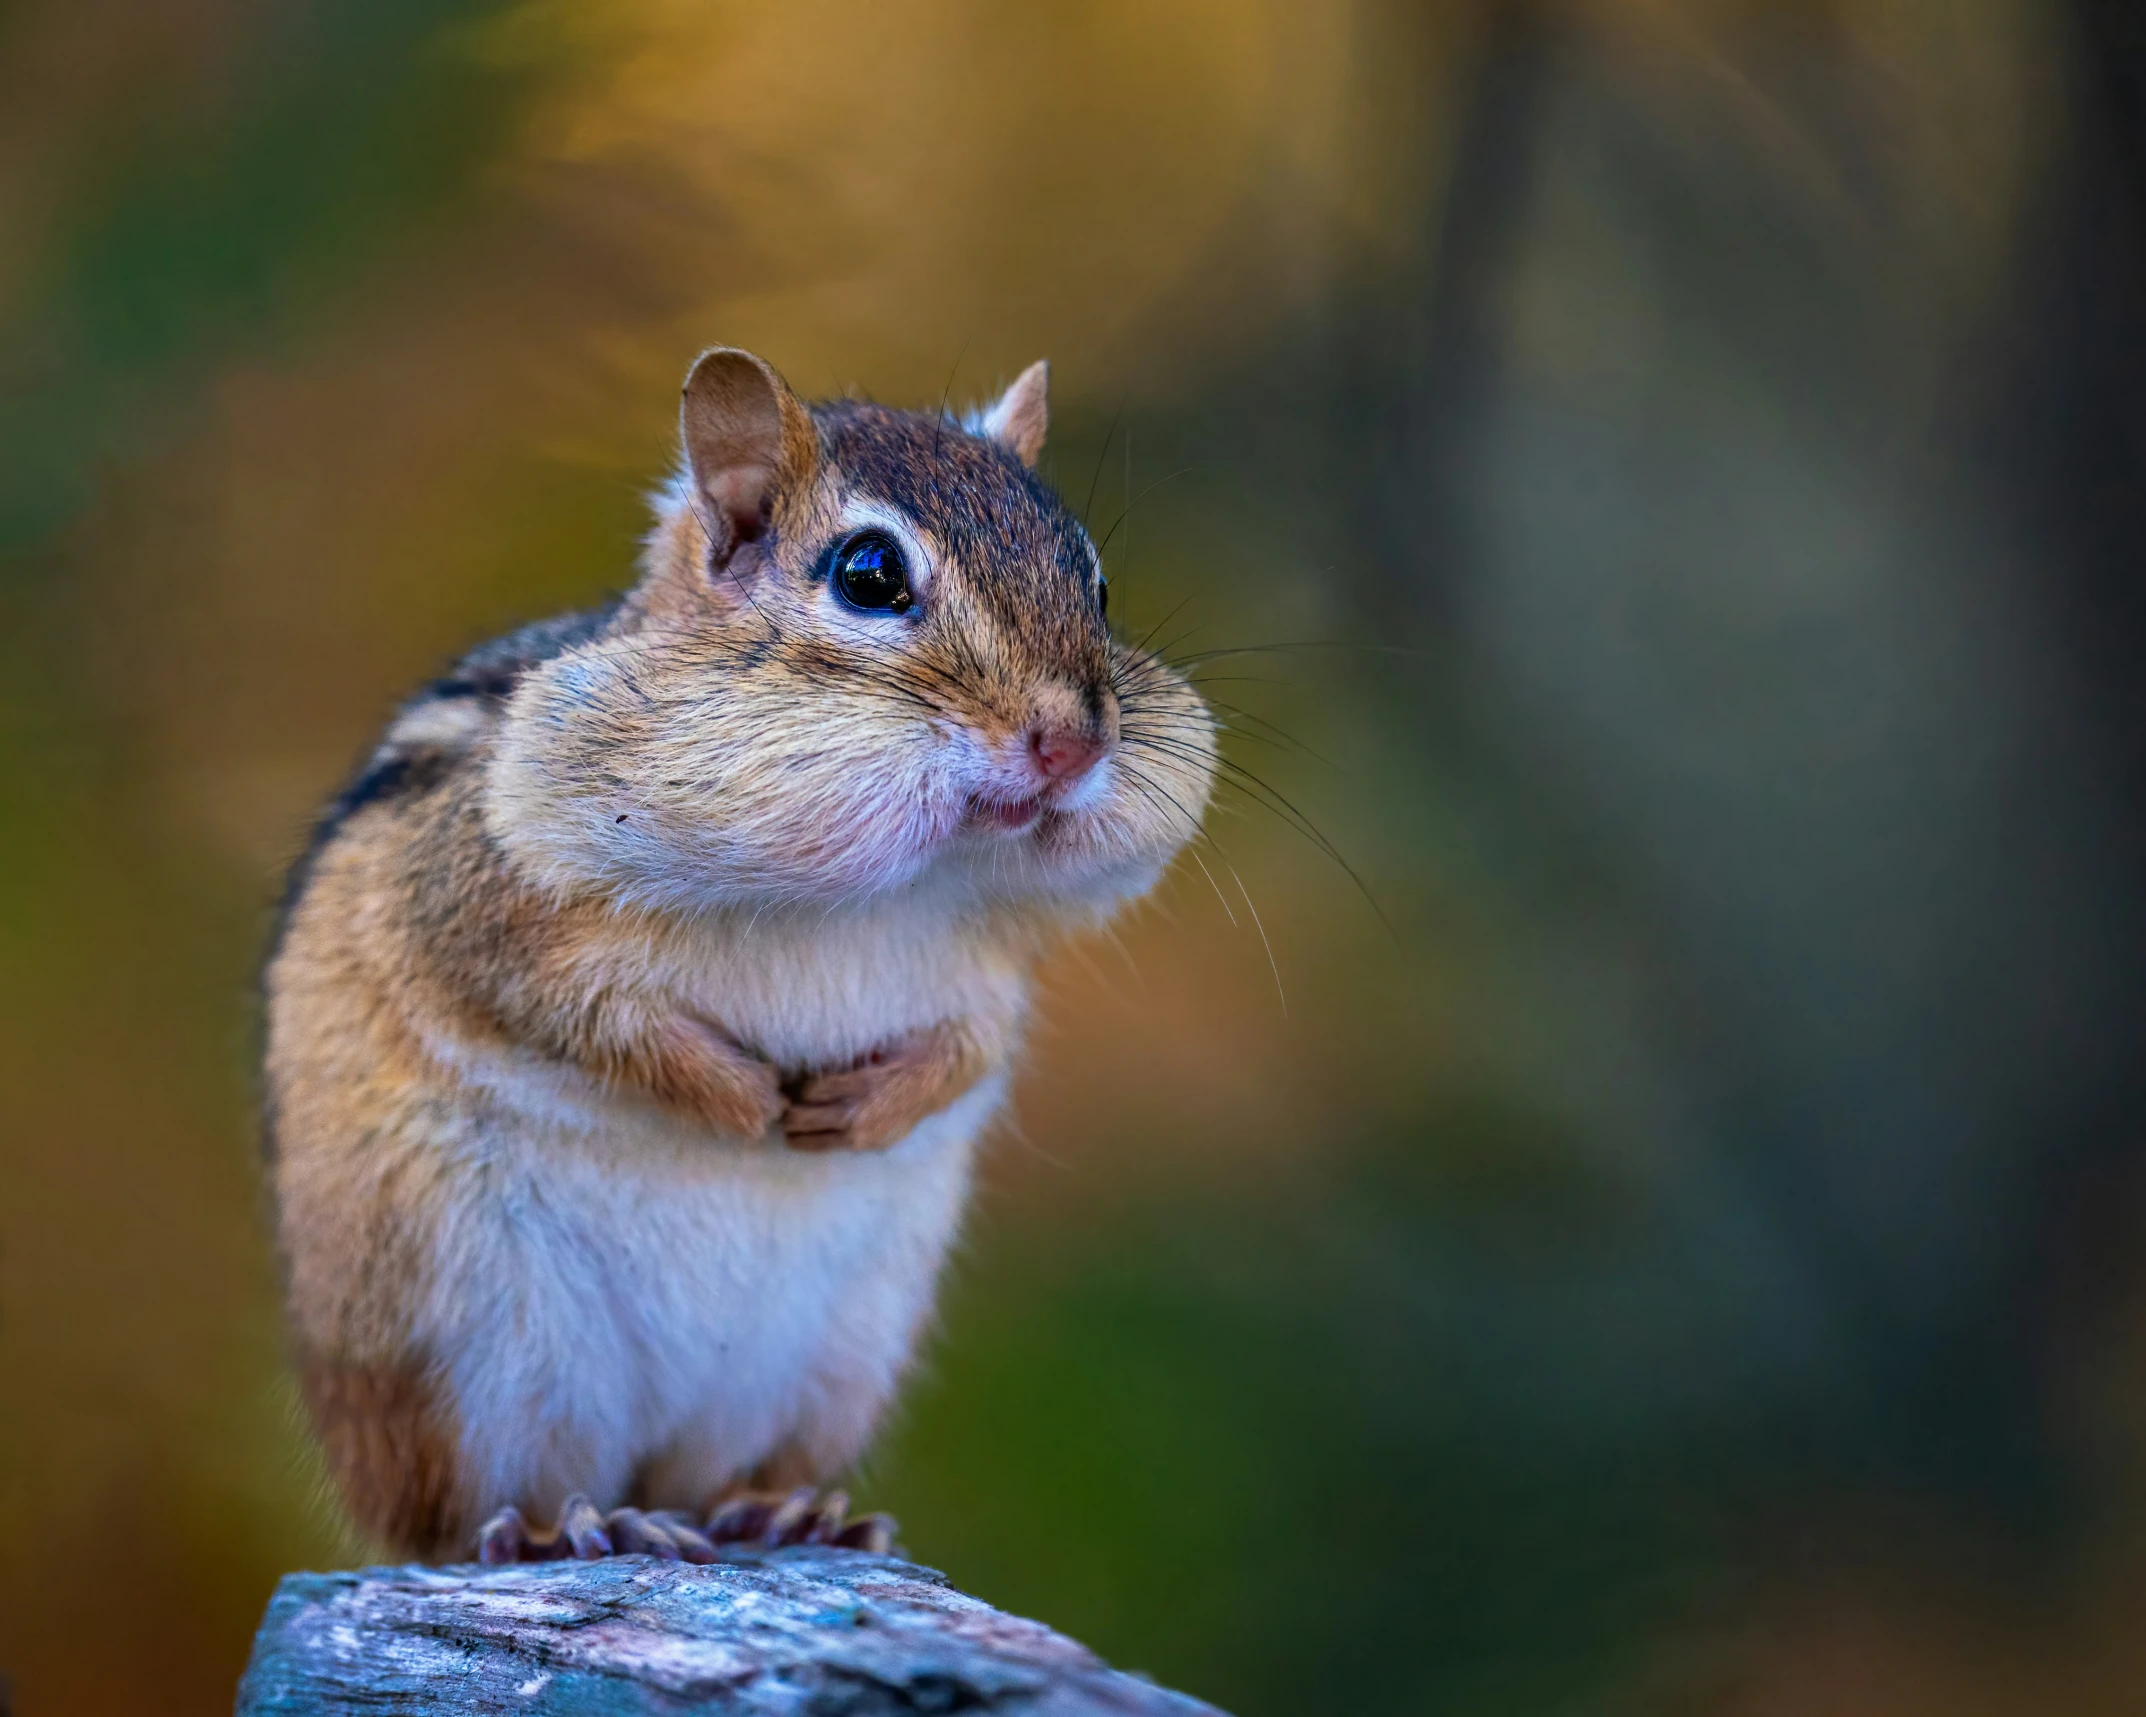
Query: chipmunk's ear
(1019, 418)
(748, 443)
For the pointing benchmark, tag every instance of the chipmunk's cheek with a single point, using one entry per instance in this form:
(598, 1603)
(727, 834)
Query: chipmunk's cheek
(904, 809)
(904, 814)
(936, 821)
(1095, 794)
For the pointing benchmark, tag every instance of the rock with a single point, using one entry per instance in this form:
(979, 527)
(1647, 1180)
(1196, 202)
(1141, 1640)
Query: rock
(806, 1632)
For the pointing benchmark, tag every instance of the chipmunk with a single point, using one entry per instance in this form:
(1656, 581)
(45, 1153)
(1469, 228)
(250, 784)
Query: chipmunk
(638, 1007)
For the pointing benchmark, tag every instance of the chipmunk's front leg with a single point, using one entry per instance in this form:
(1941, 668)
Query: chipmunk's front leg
(879, 1099)
(575, 1002)
(689, 1065)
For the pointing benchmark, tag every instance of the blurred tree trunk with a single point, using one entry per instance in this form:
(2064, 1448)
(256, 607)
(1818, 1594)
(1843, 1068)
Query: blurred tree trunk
(1806, 610)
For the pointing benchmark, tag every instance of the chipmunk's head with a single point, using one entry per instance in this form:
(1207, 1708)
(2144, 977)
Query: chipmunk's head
(869, 652)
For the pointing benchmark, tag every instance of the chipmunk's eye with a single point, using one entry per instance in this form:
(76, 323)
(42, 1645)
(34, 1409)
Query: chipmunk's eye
(870, 573)
(1102, 596)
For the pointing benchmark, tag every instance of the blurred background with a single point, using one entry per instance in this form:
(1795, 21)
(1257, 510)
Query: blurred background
(1661, 483)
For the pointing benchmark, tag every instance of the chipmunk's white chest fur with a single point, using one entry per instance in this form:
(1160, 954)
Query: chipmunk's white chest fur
(810, 986)
(671, 1308)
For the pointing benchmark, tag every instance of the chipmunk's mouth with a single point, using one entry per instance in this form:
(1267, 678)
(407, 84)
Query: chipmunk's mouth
(1002, 816)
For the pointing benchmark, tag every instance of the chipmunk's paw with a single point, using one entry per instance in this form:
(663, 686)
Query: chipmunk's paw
(583, 1533)
(771, 1519)
(878, 1100)
(832, 1111)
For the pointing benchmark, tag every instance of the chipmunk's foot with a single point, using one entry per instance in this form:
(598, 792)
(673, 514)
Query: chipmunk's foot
(577, 1535)
(582, 1533)
(802, 1516)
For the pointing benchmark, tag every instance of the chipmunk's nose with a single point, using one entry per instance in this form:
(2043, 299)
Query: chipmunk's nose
(1064, 754)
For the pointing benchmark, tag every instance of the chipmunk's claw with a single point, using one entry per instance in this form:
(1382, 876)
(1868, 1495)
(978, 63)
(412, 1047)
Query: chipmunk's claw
(767, 1520)
(872, 1533)
(665, 1533)
(579, 1536)
(583, 1529)
(504, 1538)
(802, 1516)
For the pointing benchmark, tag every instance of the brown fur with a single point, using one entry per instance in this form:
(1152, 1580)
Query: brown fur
(390, 1441)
